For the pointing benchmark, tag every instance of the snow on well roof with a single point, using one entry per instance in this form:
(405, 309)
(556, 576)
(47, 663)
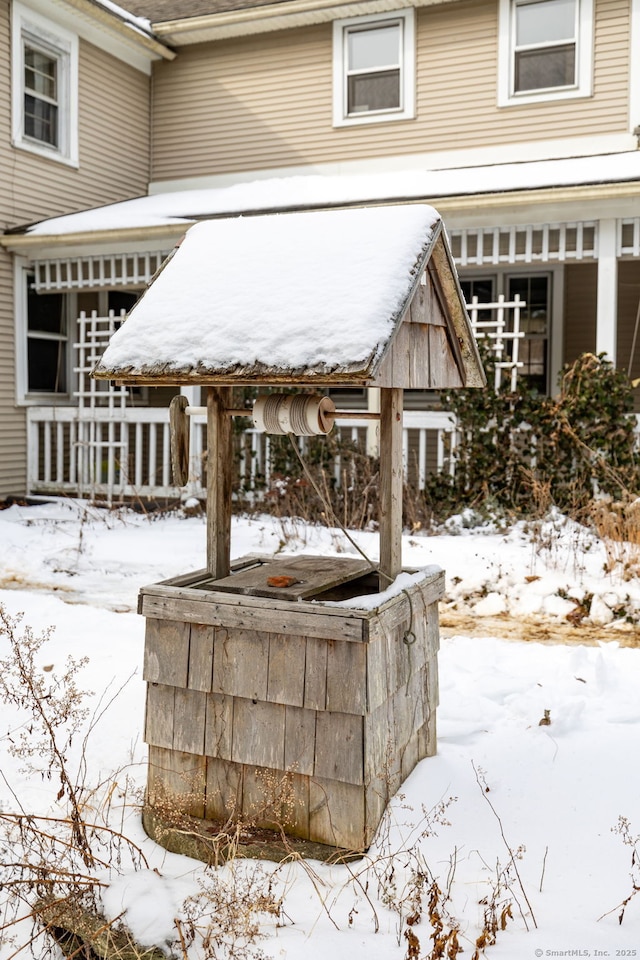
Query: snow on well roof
(312, 292)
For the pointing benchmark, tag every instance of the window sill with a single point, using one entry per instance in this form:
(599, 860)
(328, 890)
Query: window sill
(45, 400)
(46, 154)
(367, 118)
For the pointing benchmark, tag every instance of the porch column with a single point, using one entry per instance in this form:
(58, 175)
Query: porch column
(373, 430)
(607, 299)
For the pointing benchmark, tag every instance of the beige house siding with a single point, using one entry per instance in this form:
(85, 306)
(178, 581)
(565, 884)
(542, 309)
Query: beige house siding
(13, 438)
(580, 296)
(113, 147)
(266, 101)
(114, 165)
(628, 306)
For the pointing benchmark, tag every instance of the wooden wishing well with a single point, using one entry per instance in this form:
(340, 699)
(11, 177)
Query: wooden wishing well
(295, 692)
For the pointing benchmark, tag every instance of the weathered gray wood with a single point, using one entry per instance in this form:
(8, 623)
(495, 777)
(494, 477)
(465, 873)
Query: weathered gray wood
(267, 797)
(443, 369)
(409, 756)
(218, 726)
(241, 663)
(376, 798)
(189, 720)
(427, 738)
(219, 482)
(224, 789)
(166, 652)
(287, 657)
(408, 709)
(299, 740)
(398, 610)
(201, 657)
(433, 685)
(408, 359)
(179, 439)
(336, 813)
(280, 753)
(158, 728)
(391, 480)
(315, 674)
(376, 652)
(425, 306)
(346, 677)
(290, 620)
(378, 747)
(176, 782)
(296, 813)
(311, 575)
(340, 747)
(258, 733)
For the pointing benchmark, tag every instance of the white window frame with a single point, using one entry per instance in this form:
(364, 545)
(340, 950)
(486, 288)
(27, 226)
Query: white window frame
(406, 110)
(29, 27)
(583, 86)
(25, 397)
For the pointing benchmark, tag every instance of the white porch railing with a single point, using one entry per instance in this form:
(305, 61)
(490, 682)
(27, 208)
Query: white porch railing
(125, 454)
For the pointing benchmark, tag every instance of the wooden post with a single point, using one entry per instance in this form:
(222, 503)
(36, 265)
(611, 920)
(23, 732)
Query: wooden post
(391, 478)
(219, 478)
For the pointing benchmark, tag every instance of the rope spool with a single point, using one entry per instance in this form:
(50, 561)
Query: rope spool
(300, 414)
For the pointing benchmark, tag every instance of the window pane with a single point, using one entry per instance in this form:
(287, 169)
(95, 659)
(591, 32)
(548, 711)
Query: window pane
(40, 73)
(374, 47)
(482, 288)
(47, 366)
(540, 69)
(545, 21)
(532, 354)
(41, 120)
(376, 91)
(45, 312)
(535, 292)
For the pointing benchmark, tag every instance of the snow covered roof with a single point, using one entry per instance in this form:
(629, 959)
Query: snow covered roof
(314, 190)
(302, 298)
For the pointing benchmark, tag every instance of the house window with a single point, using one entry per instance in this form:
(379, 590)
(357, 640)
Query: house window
(483, 289)
(44, 86)
(47, 342)
(41, 86)
(374, 68)
(545, 50)
(534, 291)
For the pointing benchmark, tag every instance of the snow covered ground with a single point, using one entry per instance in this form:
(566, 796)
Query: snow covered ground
(501, 783)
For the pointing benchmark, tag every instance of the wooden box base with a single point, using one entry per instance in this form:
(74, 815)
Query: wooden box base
(301, 714)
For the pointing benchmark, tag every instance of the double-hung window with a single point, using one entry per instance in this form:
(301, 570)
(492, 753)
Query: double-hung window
(44, 86)
(42, 69)
(47, 342)
(374, 68)
(546, 49)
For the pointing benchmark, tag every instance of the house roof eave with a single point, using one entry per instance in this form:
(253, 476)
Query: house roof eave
(132, 31)
(267, 17)
(50, 245)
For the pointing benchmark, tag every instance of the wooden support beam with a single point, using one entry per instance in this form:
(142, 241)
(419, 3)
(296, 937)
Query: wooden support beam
(219, 479)
(391, 479)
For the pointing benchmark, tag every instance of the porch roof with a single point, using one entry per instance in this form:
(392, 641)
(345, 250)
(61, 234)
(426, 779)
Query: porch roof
(167, 213)
(305, 298)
